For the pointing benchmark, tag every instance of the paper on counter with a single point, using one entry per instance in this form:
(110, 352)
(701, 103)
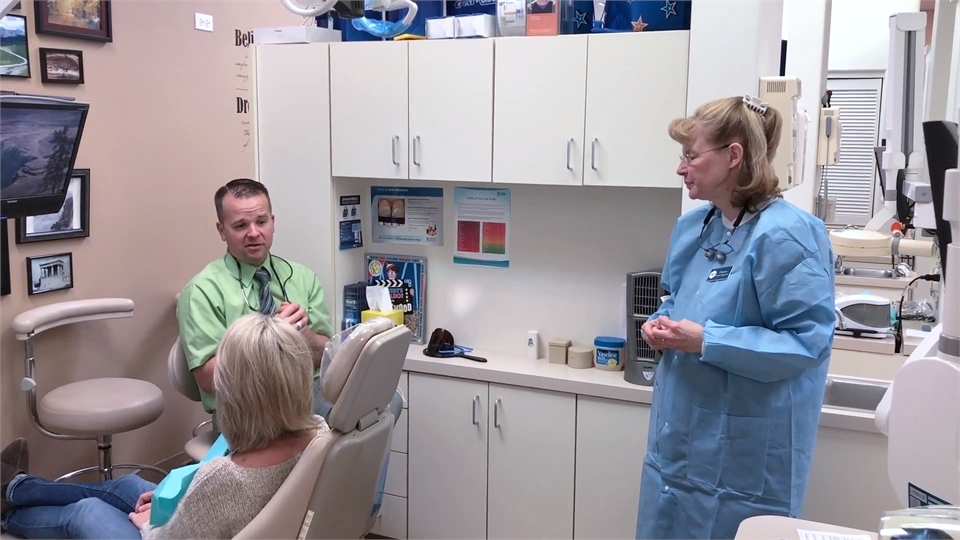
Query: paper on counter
(819, 535)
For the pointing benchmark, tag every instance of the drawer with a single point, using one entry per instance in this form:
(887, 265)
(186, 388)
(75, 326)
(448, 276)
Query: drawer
(398, 440)
(396, 483)
(404, 386)
(392, 521)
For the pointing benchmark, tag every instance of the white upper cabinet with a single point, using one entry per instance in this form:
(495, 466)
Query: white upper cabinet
(368, 109)
(636, 84)
(539, 99)
(451, 110)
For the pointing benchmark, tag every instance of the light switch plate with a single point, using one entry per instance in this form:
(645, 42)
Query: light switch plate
(203, 22)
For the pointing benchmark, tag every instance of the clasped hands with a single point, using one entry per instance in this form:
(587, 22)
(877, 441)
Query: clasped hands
(663, 333)
(141, 511)
(294, 315)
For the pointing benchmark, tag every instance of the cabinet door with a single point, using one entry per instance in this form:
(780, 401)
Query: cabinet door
(451, 110)
(611, 445)
(368, 109)
(636, 84)
(532, 448)
(539, 100)
(447, 462)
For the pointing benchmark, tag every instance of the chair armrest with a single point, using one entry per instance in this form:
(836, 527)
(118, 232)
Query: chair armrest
(36, 320)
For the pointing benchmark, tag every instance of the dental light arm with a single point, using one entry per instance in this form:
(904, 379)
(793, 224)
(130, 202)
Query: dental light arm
(313, 8)
(920, 412)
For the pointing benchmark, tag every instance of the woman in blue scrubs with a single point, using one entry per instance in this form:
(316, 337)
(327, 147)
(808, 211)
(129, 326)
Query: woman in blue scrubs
(746, 334)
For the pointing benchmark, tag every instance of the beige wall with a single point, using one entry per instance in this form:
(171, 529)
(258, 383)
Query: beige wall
(162, 135)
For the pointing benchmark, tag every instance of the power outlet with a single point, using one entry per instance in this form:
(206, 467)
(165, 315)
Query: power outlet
(203, 22)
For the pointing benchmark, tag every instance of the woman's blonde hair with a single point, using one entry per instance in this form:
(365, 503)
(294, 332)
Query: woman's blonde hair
(730, 120)
(262, 381)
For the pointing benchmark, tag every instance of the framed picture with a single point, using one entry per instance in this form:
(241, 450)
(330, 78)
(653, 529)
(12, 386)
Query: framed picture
(406, 279)
(49, 273)
(80, 19)
(61, 66)
(72, 221)
(14, 51)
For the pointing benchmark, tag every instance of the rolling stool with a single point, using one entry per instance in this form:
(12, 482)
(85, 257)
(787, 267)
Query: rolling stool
(94, 409)
(183, 382)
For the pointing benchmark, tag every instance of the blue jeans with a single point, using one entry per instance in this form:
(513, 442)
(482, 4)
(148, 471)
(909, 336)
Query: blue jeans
(45, 509)
(323, 407)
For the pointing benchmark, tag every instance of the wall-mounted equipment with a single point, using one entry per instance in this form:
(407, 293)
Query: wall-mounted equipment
(783, 94)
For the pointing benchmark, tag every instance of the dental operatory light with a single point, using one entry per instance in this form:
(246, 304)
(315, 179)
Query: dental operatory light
(309, 8)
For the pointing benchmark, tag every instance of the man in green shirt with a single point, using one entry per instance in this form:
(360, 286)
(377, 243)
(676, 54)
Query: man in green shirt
(249, 278)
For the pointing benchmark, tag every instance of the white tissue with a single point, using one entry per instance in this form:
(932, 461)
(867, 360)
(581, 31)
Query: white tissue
(378, 298)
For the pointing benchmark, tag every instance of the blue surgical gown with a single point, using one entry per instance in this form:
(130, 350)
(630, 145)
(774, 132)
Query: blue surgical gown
(732, 430)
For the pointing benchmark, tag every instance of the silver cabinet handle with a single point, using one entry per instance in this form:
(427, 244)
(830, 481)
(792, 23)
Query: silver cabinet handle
(393, 149)
(416, 146)
(496, 415)
(569, 154)
(593, 154)
(476, 401)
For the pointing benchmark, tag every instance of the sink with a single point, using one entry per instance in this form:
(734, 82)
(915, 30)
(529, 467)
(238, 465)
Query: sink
(868, 272)
(853, 394)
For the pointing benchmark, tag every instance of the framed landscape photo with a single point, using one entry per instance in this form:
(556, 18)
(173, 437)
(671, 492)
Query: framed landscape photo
(49, 273)
(61, 66)
(71, 221)
(80, 19)
(14, 50)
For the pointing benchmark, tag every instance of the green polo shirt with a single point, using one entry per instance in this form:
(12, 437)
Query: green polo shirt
(214, 298)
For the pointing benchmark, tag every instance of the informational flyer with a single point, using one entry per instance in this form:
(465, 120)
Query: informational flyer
(482, 216)
(351, 231)
(407, 215)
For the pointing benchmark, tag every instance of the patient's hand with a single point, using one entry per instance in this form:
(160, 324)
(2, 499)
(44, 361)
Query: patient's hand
(140, 518)
(143, 502)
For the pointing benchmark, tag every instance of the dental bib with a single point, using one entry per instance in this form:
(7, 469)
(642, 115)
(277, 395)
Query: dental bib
(172, 488)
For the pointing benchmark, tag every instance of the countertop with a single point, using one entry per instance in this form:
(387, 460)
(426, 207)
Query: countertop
(784, 528)
(880, 283)
(540, 374)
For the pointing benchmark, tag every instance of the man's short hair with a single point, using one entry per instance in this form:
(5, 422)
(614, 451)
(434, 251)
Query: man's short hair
(263, 382)
(241, 188)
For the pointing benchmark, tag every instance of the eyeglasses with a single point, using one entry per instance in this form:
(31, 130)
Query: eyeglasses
(688, 158)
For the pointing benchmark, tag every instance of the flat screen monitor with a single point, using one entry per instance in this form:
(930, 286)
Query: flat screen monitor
(39, 140)
(940, 139)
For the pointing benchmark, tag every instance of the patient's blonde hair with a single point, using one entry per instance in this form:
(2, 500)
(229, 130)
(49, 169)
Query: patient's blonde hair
(263, 381)
(729, 120)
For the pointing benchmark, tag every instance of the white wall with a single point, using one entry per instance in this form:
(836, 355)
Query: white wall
(860, 33)
(806, 27)
(570, 251)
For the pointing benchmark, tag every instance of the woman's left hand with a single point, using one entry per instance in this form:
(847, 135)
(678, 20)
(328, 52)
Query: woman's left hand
(682, 336)
(140, 518)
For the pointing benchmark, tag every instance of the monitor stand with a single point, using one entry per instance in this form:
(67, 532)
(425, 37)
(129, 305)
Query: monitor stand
(4, 259)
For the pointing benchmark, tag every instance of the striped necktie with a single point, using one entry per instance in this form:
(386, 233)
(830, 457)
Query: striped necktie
(267, 305)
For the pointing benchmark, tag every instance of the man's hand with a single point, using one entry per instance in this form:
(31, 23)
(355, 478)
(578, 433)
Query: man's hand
(683, 336)
(143, 503)
(294, 315)
(647, 332)
(140, 518)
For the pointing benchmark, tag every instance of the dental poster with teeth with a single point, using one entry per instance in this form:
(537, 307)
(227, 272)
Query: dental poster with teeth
(406, 280)
(407, 215)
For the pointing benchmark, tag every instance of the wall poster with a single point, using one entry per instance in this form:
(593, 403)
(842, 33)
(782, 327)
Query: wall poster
(407, 215)
(406, 279)
(482, 218)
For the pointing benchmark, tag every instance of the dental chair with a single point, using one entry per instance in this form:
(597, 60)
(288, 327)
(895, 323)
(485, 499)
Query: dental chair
(184, 383)
(92, 409)
(331, 490)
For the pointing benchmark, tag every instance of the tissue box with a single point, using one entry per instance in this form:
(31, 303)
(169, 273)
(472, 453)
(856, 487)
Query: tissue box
(395, 315)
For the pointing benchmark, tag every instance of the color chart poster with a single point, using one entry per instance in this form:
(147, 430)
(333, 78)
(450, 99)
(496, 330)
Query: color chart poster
(482, 218)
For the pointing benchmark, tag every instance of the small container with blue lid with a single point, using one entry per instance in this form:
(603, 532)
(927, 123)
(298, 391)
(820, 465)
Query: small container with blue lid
(610, 353)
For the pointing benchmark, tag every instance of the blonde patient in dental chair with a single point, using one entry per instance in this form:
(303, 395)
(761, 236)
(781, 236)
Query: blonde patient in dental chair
(265, 404)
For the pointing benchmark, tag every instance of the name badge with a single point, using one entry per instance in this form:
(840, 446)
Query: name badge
(719, 274)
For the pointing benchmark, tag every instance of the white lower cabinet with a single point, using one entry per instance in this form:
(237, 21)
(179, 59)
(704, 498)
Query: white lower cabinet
(489, 460)
(611, 445)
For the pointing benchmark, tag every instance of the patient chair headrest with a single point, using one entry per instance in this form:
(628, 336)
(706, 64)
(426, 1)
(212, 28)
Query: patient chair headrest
(363, 373)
